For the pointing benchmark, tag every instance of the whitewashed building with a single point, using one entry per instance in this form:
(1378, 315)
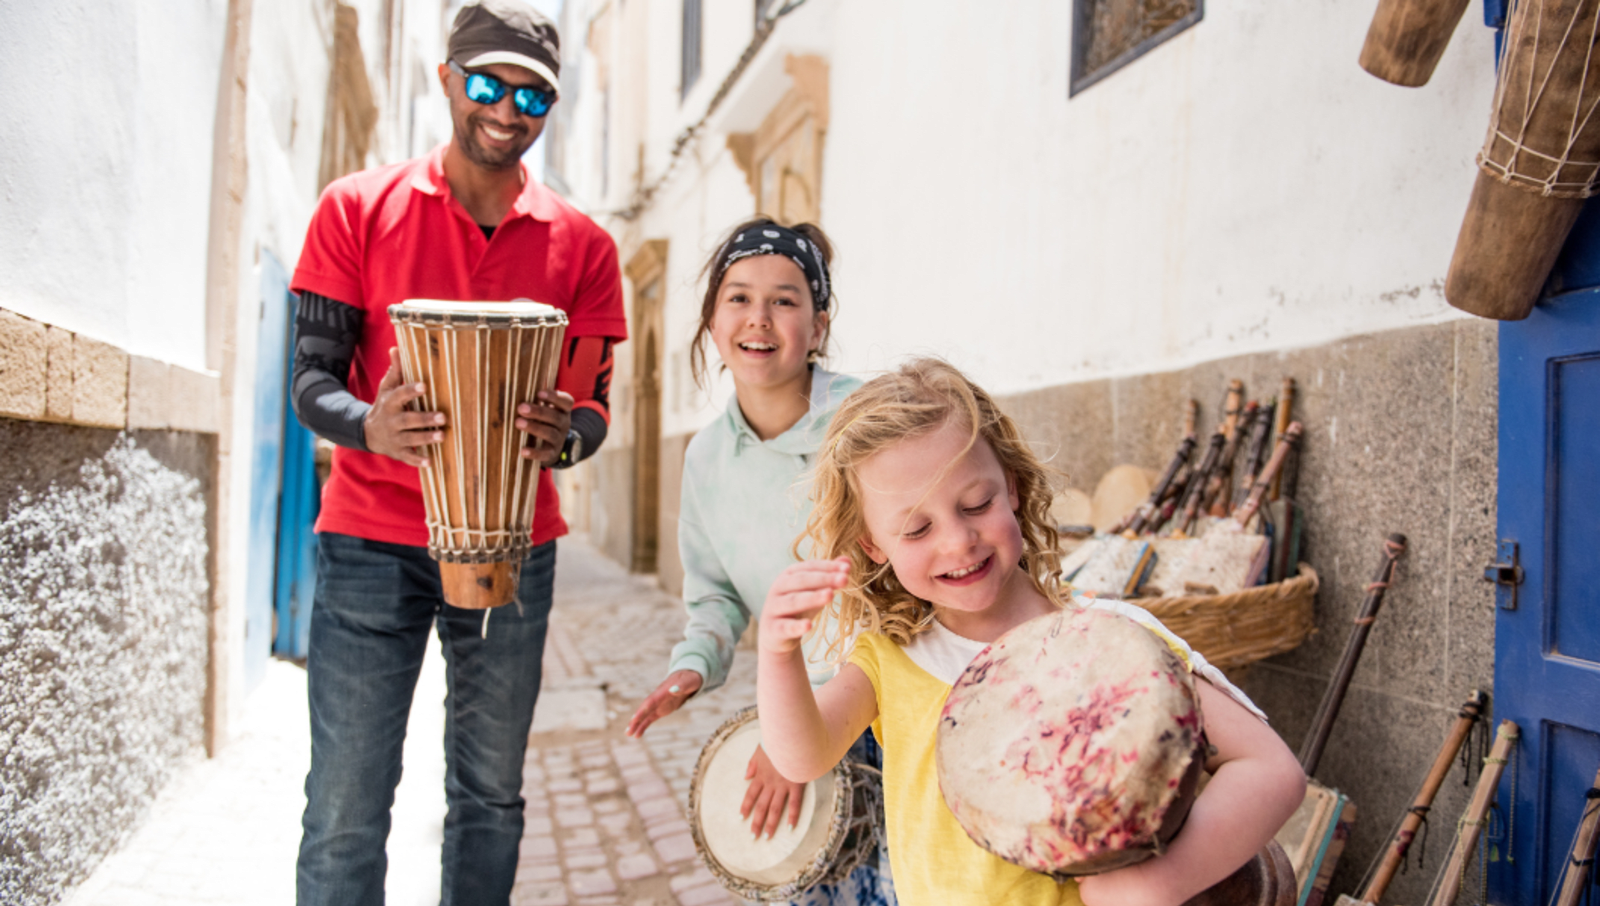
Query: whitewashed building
(1098, 219)
(160, 162)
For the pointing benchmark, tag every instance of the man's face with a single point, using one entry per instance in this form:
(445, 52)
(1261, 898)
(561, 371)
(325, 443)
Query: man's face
(493, 136)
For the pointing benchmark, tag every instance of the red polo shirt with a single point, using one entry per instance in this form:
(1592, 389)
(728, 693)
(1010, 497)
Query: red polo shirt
(394, 233)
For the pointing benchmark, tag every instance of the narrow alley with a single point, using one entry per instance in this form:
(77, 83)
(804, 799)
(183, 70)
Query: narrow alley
(605, 821)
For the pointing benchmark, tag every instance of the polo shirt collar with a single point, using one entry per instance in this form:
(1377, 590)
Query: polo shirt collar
(535, 201)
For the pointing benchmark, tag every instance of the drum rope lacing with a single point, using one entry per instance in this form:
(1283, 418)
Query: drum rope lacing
(1566, 178)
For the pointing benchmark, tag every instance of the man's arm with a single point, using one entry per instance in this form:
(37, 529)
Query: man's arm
(585, 374)
(326, 333)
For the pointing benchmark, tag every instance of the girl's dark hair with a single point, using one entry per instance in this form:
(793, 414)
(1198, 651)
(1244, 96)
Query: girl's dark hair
(717, 265)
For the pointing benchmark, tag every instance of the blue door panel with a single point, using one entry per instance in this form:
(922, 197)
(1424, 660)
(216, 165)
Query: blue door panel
(1575, 504)
(1570, 757)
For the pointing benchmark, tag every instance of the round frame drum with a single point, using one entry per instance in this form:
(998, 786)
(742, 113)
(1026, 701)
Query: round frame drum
(837, 832)
(478, 361)
(1072, 745)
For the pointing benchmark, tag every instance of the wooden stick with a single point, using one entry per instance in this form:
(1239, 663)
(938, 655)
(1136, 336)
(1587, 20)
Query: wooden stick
(1258, 493)
(1580, 861)
(1135, 521)
(1220, 488)
(1197, 484)
(1191, 417)
(1469, 714)
(1285, 408)
(1472, 820)
(1255, 452)
(1328, 711)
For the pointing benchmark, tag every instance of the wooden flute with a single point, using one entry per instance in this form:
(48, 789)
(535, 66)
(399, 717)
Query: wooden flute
(1472, 820)
(1258, 491)
(1255, 452)
(1395, 854)
(1190, 508)
(1135, 521)
(1328, 711)
(1580, 860)
(1219, 490)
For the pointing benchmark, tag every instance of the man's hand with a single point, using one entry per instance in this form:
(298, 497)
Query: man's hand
(668, 697)
(769, 795)
(546, 422)
(393, 430)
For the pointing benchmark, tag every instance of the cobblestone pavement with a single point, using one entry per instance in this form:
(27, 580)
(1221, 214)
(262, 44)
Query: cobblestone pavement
(605, 819)
(605, 814)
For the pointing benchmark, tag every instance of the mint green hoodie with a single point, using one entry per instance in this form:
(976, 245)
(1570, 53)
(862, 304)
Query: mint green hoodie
(745, 501)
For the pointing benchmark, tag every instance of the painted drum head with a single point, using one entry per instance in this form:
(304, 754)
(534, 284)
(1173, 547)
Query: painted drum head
(1072, 745)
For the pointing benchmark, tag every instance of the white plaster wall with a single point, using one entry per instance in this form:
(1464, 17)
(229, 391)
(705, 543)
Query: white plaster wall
(105, 164)
(1243, 187)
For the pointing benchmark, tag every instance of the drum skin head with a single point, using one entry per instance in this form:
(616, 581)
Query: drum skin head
(1072, 744)
(437, 311)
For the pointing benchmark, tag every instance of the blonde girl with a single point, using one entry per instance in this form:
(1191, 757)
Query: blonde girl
(935, 514)
(767, 310)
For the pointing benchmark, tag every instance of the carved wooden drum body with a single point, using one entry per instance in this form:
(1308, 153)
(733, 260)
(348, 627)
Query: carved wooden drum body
(478, 361)
(1072, 745)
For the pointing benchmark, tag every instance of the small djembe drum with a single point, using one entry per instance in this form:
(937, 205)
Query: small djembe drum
(837, 830)
(478, 361)
(1074, 745)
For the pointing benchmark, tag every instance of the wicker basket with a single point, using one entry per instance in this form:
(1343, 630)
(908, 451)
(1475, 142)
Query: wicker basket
(1237, 629)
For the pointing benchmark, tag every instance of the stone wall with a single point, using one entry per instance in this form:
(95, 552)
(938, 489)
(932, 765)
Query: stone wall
(1400, 437)
(105, 540)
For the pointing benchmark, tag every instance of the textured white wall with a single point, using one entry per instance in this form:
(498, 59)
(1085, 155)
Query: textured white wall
(105, 164)
(1243, 187)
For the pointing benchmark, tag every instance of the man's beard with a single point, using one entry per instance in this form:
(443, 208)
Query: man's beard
(490, 160)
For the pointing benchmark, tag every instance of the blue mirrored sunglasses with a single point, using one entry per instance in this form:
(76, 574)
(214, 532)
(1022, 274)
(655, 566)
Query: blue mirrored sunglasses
(486, 89)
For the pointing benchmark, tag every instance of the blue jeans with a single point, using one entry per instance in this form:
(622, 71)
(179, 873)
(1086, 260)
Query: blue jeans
(375, 606)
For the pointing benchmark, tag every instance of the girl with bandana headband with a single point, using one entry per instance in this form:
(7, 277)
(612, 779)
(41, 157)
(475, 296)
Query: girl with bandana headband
(768, 308)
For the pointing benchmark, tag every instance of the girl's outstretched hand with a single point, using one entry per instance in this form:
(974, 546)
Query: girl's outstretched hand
(668, 697)
(797, 596)
(769, 795)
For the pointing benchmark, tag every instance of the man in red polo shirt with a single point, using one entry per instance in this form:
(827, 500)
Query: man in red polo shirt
(463, 223)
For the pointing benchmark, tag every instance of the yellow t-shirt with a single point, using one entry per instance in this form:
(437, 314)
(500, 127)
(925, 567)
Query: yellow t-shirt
(933, 860)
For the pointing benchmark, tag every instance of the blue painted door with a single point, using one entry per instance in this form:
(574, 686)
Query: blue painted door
(1547, 647)
(266, 466)
(297, 514)
(1547, 629)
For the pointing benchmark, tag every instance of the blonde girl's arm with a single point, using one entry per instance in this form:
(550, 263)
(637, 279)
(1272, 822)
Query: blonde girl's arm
(1255, 787)
(806, 731)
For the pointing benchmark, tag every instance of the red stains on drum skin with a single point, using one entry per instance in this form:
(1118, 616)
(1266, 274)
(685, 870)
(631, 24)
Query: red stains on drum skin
(1066, 744)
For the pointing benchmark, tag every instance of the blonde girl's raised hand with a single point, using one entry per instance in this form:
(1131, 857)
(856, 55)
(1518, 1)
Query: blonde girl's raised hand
(797, 597)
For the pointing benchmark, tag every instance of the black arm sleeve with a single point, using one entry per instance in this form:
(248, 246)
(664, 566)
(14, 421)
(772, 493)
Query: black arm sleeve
(591, 426)
(326, 332)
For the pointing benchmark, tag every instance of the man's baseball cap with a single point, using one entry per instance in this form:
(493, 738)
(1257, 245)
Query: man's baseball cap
(506, 31)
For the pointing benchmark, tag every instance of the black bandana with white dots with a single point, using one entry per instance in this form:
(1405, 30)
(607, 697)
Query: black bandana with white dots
(771, 239)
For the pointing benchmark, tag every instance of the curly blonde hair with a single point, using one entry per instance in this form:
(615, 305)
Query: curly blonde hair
(916, 400)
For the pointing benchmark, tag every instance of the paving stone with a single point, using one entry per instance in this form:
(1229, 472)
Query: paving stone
(650, 789)
(664, 805)
(584, 883)
(617, 825)
(676, 848)
(531, 872)
(608, 806)
(704, 896)
(540, 847)
(666, 828)
(638, 865)
(595, 859)
(538, 826)
(572, 800)
(692, 878)
(603, 787)
(564, 786)
(582, 838)
(542, 893)
(575, 817)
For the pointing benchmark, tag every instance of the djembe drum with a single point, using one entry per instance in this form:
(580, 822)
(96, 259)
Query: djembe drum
(478, 362)
(837, 831)
(1074, 745)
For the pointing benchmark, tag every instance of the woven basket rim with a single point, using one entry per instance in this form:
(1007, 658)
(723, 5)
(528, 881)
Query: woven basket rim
(1245, 626)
